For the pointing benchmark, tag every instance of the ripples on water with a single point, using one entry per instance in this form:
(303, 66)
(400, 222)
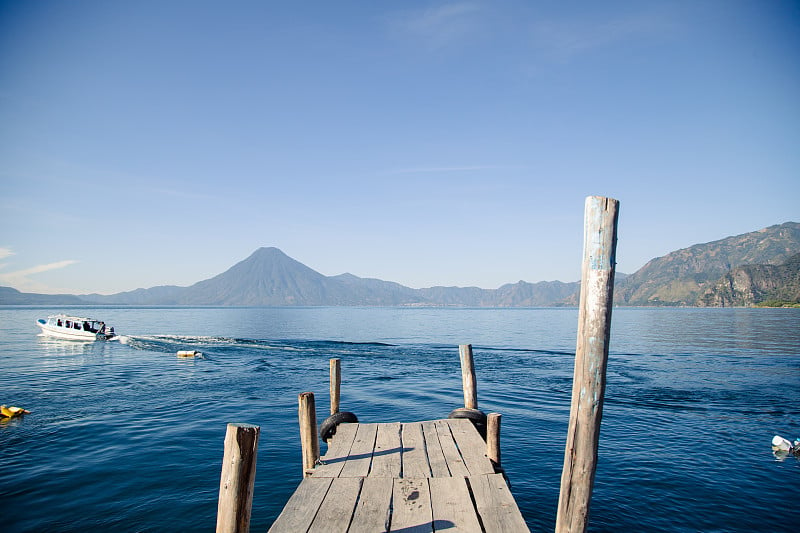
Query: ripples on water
(125, 435)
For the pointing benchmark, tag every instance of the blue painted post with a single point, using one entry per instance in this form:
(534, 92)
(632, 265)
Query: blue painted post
(591, 357)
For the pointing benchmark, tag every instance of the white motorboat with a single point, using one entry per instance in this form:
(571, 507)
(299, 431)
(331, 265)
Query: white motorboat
(75, 328)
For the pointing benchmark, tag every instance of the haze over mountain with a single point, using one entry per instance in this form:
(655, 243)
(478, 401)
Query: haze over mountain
(691, 276)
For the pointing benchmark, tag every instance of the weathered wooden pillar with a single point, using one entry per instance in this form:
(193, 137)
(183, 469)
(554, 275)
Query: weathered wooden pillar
(493, 437)
(238, 475)
(336, 384)
(591, 357)
(468, 376)
(309, 441)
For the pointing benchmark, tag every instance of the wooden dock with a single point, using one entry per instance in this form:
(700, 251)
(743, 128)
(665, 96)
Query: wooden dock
(409, 477)
(438, 474)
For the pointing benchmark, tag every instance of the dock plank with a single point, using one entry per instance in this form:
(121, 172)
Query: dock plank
(373, 511)
(433, 448)
(495, 504)
(386, 459)
(410, 477)
(452, 505)
(338, 450)
(411, 506)
(455, 463)
(340, 444)
(302, 507)
(360, 459)
(471, 446)
(415, 462)
(337, 508)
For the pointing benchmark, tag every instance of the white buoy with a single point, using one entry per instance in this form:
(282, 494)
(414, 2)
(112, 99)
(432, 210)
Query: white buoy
(188, 353)
(779, 443)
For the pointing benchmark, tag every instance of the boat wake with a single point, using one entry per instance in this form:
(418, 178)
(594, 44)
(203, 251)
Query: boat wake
(205, 344)
(228, 345)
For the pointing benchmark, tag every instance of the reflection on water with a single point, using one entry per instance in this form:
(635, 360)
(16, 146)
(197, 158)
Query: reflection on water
(62, 350)
(66, 345)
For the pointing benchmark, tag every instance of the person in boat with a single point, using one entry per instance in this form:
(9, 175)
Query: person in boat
(59, 324)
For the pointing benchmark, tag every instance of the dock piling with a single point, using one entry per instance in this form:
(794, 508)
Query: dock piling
(309, 441)
(591, 358)
(468, 376)
(237, 479)
(493, 437)
(336, 383)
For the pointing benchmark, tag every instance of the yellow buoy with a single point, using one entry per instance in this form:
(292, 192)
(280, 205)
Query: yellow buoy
(189, 353)
(11, 412)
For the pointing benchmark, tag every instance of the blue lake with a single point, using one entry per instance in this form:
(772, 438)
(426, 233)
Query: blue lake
(124, 435)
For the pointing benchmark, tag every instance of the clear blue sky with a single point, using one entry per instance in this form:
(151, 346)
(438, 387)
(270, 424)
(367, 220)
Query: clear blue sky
(423, 142)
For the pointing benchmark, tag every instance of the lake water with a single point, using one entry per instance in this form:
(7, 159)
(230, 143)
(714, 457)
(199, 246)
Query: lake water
(125, 436)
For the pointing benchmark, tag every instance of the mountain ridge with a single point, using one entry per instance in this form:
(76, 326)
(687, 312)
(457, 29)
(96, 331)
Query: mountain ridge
(269, 277)
(681, 277)
(748, 285)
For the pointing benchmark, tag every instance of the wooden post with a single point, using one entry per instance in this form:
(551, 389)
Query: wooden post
(336, 384)
(591, 357)
(309, 441)
(468, 377)
(238, 476)
(493, 437)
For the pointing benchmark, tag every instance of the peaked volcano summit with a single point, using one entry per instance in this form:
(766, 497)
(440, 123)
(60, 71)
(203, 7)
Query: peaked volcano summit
(267, 277)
